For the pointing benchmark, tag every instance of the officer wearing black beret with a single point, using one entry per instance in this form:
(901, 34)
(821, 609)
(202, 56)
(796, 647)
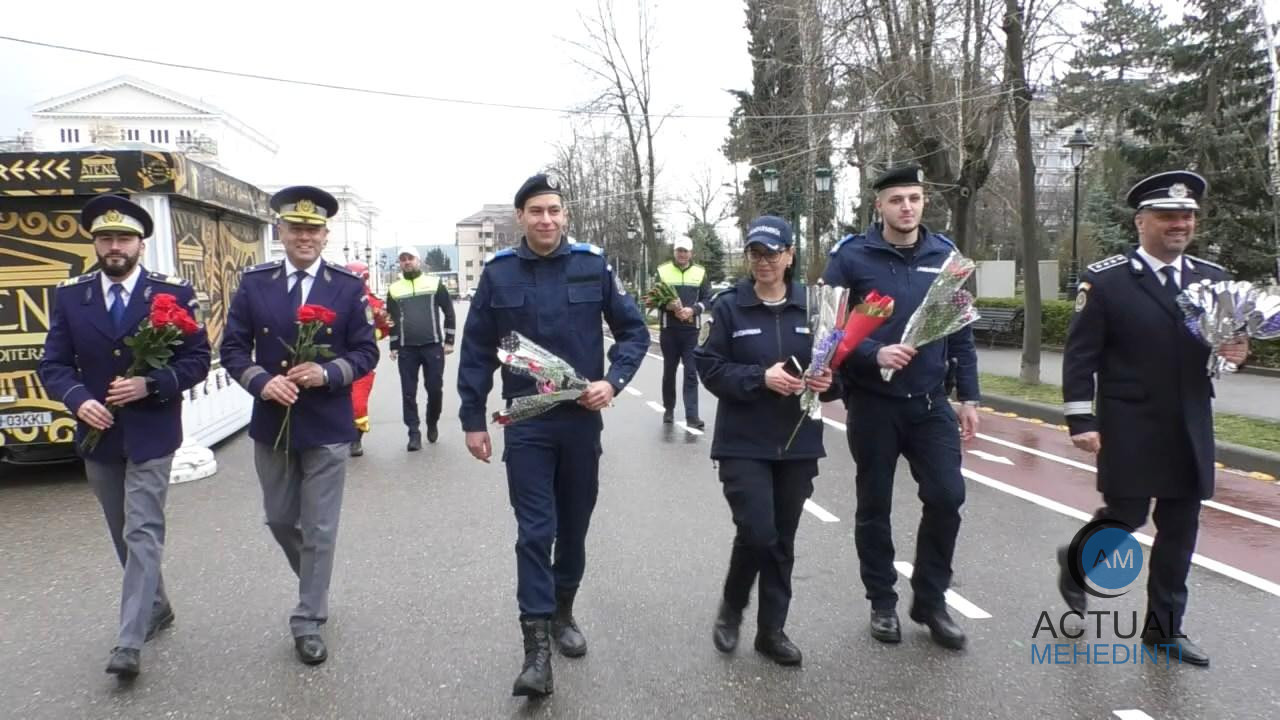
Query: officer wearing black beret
(302, 480)
(555, 293)
(1153, 428)
(86, 355)
(910, 415)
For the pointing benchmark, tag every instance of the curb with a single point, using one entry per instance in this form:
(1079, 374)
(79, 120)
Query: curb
(1258, 370)
(1258, 464)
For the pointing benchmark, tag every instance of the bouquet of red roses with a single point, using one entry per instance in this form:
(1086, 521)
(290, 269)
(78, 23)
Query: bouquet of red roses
(311, 320)
(555, 379)
(152, 347)
(947, 307)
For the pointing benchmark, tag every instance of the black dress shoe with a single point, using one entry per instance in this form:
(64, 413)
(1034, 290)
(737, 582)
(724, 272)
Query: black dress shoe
(775, 645)
(161, 618)
(433, 433)
(1177, 649)
(942, 628)
(357, 448)
(311, 649)
(415, 442)
(695, 423)
(125, 662)
(885, 626)
(1071, 593)
(725, 633)
(668, 416)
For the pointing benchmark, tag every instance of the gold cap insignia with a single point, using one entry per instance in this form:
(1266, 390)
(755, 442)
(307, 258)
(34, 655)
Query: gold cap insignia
(305, 206)
(113, 216)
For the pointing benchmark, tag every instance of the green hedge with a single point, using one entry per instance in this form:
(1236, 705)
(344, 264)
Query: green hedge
(1055, 315)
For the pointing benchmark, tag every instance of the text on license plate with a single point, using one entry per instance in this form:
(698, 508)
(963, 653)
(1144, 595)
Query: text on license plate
(15, 421)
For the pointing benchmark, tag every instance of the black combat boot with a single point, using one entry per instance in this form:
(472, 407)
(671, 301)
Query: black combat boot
(568, 637)
(535, 677)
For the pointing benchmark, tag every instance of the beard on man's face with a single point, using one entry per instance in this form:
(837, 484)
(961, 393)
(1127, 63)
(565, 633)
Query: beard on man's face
(116, 265)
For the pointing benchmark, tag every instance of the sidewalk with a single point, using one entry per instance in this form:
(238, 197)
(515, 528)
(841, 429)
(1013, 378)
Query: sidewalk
(1237, 393)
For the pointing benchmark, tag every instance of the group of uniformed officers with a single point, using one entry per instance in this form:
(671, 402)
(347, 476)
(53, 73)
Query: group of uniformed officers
(1151, 393)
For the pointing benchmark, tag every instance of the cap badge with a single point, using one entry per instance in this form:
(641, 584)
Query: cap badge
(114, 216)
(553, 181)
(305, 206)
(1178, 191)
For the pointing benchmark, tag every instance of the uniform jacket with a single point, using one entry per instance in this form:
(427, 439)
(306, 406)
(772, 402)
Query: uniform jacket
(693, 286)
(868, 262)
(558, 302)
(415, 307)
(83, 353)
(746, 338)
(1152, 385)
(261, 317)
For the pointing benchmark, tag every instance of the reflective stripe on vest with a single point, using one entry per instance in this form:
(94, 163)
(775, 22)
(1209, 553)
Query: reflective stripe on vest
(671, 275)
(405, 288)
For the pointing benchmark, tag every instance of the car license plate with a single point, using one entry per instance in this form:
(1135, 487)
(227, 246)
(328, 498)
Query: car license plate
(17, 421)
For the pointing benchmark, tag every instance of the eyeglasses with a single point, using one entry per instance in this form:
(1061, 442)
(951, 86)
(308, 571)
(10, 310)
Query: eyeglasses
(756, 256)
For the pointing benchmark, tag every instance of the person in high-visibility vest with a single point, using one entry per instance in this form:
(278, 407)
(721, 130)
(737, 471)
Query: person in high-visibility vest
(361, 388)
(419, 341)
(680, 324)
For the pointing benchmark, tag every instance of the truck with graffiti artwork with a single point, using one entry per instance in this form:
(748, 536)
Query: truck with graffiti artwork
(208, 227)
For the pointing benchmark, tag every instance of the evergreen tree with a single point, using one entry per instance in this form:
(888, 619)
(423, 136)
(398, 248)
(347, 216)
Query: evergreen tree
(708, 251)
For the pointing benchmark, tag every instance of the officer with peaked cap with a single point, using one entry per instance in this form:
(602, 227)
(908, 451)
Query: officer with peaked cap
(1151, 391)
(86, 356)
(910, 415)
(554, 292)
(302, 478)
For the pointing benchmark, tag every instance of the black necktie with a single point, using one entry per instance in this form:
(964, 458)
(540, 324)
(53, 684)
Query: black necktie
(295, 292)
(1170, 281)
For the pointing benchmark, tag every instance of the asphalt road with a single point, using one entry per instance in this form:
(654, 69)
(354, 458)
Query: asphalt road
(423, 616)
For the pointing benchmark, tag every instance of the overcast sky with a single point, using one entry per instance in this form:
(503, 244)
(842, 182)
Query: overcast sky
(424, 164)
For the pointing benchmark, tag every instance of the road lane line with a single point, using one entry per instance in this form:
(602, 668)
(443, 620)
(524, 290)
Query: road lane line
(1219, 567)
(633, 391)
(835, 424)
(655, 357)
(1131, 715)
(656, 407)
(686, 428)
(961, 605)
(820, 512)
(989, 457)
(1263, 519)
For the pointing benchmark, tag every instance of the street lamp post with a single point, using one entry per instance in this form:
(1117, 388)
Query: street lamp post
(1078, 144)
(631, 238)
(822, 183)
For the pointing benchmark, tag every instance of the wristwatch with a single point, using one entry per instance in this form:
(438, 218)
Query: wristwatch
(972, 403)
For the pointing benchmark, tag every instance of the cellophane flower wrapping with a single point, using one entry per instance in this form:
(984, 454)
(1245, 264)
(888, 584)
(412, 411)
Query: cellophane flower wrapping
(555, 379)
(828, 306)
(1226, 311)
(947, 307)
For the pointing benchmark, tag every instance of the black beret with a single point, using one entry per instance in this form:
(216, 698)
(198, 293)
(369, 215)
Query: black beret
(898, 177)
(539, 184)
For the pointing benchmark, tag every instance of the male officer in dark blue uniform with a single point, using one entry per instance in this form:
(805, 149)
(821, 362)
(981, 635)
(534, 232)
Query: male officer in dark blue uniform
(85, 359)
(1153, 431)
(555, 293)
(301, 485)
(909, 416)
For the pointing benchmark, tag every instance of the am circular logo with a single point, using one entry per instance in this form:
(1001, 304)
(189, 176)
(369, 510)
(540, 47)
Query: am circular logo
(1105, 558)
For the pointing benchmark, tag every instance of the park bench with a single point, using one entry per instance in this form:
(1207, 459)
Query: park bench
(999, 321)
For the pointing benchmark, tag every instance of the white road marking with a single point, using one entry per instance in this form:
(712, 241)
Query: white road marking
(1090, 468)
(656, 407)
(835, 424)
(686, 428)
(820, 512)
(961, 605)
(1131, 715)
(655, 357)
(633, 391)
(991, 458)
(1221, 568)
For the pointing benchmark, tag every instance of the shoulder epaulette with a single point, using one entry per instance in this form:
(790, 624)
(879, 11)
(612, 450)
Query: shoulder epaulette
(1114, 261)
(1202, 261)
(168, 279)
(836, 248)
(586, 248)
(271, 265)
(340, 268)
(78, 279)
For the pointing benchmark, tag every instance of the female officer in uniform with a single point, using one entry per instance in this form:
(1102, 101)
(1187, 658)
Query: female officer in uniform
(756, 327)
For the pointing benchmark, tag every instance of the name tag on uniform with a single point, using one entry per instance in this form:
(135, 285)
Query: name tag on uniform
(935, 271)
(746, 332)
(802, 330)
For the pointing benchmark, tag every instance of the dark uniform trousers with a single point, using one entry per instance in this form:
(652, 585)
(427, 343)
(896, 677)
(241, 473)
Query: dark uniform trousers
(925, 431)
(132, 496)
(767, 500)
(1177, 524)
(678, 345)
(429, 360)
(552, 478)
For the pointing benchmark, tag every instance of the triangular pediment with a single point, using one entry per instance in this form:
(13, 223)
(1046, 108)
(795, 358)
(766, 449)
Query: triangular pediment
(124, 96)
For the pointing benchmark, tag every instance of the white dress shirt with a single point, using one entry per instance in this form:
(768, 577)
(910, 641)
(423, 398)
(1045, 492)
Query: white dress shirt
(127, 285)
(1155, 264)
(307, 281)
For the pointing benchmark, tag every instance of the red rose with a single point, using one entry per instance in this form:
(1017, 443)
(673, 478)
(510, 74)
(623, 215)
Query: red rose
(164, 300)
(308, 313)
(328, 316)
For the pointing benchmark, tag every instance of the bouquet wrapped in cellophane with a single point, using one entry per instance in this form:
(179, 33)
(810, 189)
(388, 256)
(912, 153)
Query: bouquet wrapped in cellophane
(828, 309)
(555, 379)
(1229, 311)
(947, 307)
